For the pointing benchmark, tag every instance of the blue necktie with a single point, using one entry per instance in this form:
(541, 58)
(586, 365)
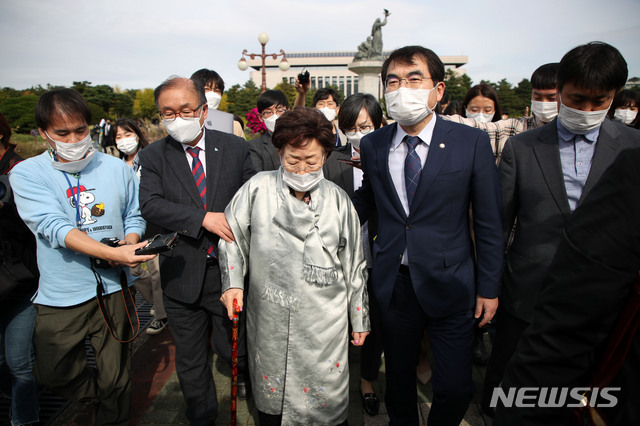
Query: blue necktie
(201, 182)
(412, 167)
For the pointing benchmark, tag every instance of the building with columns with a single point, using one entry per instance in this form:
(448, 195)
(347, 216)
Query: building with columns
(327, 68)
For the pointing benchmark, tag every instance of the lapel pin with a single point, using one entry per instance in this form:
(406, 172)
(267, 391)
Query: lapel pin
(215, 149)
(441, 145)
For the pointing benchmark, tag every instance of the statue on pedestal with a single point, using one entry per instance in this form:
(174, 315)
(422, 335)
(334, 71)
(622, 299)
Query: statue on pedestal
(371, 49)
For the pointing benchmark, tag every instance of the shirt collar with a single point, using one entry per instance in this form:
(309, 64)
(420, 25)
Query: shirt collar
(564, 134)
(200, 144)
(425, 135)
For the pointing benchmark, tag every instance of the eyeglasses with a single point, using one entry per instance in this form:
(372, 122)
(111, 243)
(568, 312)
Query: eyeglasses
(269, 112)
(351, 132)
(394, 83)
(169, 116)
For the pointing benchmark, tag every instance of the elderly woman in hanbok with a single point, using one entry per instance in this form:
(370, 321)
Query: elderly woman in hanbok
(298, 239)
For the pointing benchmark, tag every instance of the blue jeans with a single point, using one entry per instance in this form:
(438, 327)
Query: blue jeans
(17, 320)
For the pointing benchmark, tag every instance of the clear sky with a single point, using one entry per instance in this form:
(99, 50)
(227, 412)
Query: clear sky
(138, 43)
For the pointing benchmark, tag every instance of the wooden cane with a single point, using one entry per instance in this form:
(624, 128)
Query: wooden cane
(234, 362)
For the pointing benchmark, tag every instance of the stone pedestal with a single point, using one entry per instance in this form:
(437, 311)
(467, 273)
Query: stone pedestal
(368, 77)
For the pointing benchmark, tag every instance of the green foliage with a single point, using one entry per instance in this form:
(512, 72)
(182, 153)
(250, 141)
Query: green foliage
(19, 112)
(144, 104)
(241, 100)
(97, 113)
(288, 89)
(457, 85)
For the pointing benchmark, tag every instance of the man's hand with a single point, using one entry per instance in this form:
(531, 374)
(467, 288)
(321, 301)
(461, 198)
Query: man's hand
(489, 306)
(217, 224)
(227, 299)
(359, 338)
(302, 89)
(124, 255)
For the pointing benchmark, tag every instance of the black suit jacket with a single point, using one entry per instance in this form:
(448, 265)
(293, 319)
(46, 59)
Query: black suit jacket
(169, 199)
(263, 154)
(587, 286)
(338, 172)
(533, 191)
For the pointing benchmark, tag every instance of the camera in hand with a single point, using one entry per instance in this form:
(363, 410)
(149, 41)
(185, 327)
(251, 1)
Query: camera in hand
(158, 244)
(101, 263)
(303, 77)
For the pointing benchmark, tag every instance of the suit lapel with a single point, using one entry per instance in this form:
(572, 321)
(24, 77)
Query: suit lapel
(439, 150)
(607, 149)
(177, 159)
(382, 145)
(547, 153)
(213, 151)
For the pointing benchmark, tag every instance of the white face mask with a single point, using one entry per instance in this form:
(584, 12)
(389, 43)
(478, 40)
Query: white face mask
(71, 151)
(270, 123)
(355, 139)
(74, 166)
(302, 183)
(545, 111)
(213, 99)
(480, 117)
(625, 116)
(184, 130)
(409, 106)
(580, 122)
(127, 145)
(328, 112)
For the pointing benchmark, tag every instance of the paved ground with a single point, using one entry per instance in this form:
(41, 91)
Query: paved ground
(157, 398)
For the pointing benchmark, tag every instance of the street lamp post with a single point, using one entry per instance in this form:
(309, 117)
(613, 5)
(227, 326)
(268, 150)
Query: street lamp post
(263, 38)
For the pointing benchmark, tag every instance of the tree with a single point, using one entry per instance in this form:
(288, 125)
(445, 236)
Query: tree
(144, 104)
(288, 89)
(241, 100)
(121, 105)
(19, 112)
(457, 85)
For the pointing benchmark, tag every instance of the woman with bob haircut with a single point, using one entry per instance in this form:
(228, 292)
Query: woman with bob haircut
(481, 104)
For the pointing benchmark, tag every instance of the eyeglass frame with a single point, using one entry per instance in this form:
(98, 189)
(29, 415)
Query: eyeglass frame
(179, 114)
(407, 82)
(349, 133)
(284, 109)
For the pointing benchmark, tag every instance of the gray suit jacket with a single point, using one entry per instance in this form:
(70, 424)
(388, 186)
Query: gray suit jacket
(169, 199)
(263, 154)
(533, 192)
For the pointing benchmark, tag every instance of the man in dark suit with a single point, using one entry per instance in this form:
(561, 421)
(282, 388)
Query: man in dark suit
(589, 282)
(271, 105)
(545, 173)
(187, 180)
(422, 174)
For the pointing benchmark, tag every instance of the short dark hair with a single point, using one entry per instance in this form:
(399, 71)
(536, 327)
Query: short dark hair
(595, 65)
(626, 98)
(488, 92)
(5, 132)
(454, 108)
(130, 126)
(270, 98)
(61, 101)
(206, 76)
(351, 107)
(295, 127)
(545, 77)
(177, 81)
(406, 55)
(324, 93)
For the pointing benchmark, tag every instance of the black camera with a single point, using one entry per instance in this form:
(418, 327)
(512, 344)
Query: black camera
(101, 263)
(5, 189)
(303, 77)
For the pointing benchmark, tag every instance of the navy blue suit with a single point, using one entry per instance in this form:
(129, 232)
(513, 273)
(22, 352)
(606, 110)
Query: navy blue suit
(439, 287)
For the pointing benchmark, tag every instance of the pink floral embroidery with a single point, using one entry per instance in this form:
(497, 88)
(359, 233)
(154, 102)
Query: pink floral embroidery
(337, 364)
(306, 390)
(358, 308)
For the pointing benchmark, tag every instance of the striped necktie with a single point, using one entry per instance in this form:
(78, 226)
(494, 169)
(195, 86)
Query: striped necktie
(412, 167)
(201, 182)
